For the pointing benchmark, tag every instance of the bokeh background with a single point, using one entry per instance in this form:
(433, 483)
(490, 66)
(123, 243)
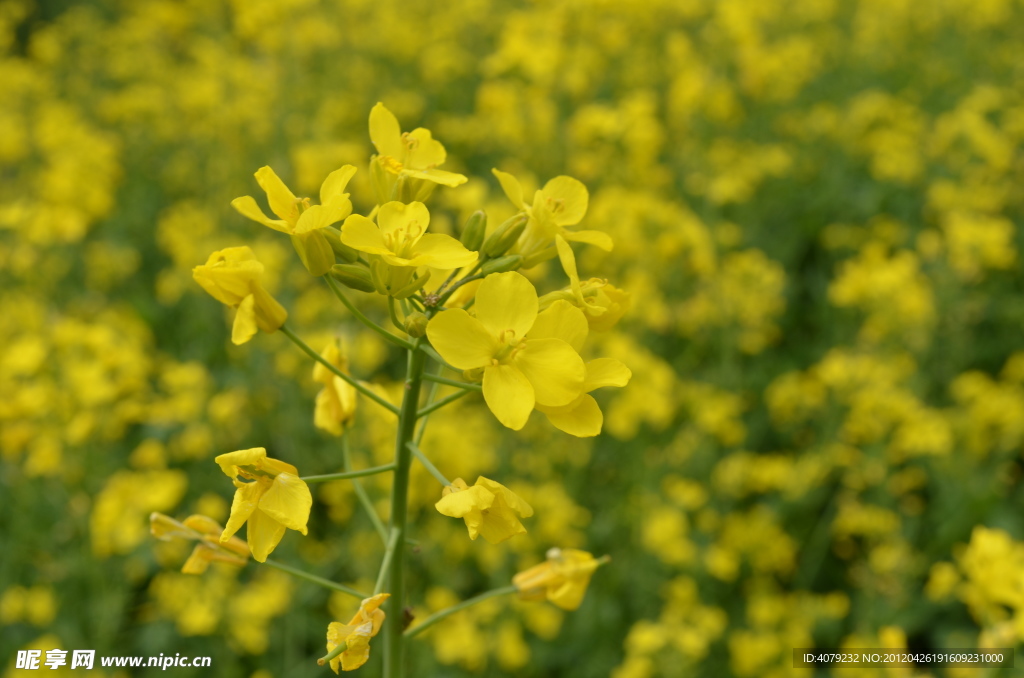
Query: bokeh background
(817, 210)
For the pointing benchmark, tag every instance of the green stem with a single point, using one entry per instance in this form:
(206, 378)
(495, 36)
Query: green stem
(326, 583)
(385, 564)
(394, 339)
(364, 498)
(429, 350)
(344, 377)
(394, 624)
(454, 288)
(438, 616)
(430, 400)
(349, 474)
(394, 316)
(332, 654)
(441, 403)
(469, 386)
(427, 464)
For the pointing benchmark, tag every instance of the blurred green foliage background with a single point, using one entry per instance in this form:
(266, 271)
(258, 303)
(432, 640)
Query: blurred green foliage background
(816, 206)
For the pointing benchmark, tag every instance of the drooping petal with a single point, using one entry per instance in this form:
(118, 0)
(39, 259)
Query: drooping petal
(507, 301)
(561, 320)
(244, 326)
(230, 461)
(288, 502)
(361, 234)
(228, 274)
(441, 251)
(247, 496)
(412, 217)
(553, 368)
(282, 200)
(385, 132)
(321, 216)
(263, 534)
(275, 466)
(606, 372)
(247, 207)
(596, 238)
(513, 189)
(425, 152)
(511, 499)
(270, 314)
(461, 340)
(508, 394)
(581, 418)
(462, 503)
(567, 199)
(336, 183)
(450, 179)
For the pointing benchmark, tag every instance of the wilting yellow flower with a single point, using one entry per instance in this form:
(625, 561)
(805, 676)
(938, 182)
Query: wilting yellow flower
(490, 509)
(410, 156)
(271, 497)
(304, 223)
(561, 203)
(356, 634)
(232, 277)
(336, 402)
(400, 238)
(602, 303)
(518, 371)
(562, 578)
(207, 532)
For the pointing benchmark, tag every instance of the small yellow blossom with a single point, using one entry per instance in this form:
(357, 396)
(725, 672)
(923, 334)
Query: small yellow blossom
(356, 634)
(412, 157)
(232, 277)
(336, 403)
(490, 509)
(518, 371)
(602, 303)
(207, 532)
(399, 237)
(562, 578)
(300, 220)
(271, 498)
(561, 203)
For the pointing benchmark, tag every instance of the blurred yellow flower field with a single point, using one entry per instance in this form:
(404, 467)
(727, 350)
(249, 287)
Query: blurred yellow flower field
(756, 264)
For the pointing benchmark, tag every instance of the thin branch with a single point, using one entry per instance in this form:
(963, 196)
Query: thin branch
(385, 564)
(469, 386)
(349, 474)
(394, 339)
(364, 498)
(438, 616)
(326, 583)
(427, 464)
(433, 407)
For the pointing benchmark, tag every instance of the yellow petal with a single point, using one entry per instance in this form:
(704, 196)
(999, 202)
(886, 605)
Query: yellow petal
(461, 340)
(247, 207)
(553, 368)
(567, 199)
(228, 274)
(561, 320)
(508, 394)
(199, 561)
(596, 238)
(336, 183)
(288, 502)
(325, 413)
(385, 132)
(394, 216)
(506, 301)
(581, 418)
(282, 201)
(511, 186)
(263, 534)
(511, 499)
(270, 315)
(275, 466)
(247, 495)
(450, 179)
(461, 504)
(244, 326)
(569, 594)
(425, 152)
(230, 461)
(441, 251)
(606, 372)
(361, 234)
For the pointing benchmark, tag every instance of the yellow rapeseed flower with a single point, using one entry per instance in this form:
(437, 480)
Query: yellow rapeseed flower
(336, 402)
(400, 238)
(207, 532)
(518, 371)
(356, 634)
(270, 496)
(300, 220)
(490, 509)
(603, 304)
(232, 277)
(562, 578)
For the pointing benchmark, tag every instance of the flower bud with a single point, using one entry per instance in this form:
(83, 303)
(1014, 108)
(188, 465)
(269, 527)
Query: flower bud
(505, 236)
(474, 231)
(509, 262)
(344, 252)
(416, 324)
(315, 252)
(541, 255)
(412, 287)
(353, 276)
